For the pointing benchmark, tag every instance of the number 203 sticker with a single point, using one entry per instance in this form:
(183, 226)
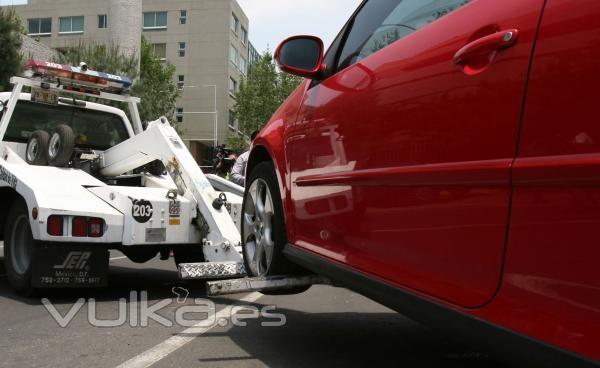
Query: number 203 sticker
(142, 210)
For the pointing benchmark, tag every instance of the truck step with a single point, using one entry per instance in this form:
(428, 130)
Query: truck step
(211, 270)
(269, 283)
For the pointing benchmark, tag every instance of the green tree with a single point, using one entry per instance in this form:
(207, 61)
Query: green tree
(105, 58)
(237, 142)
(154, 83)
(11, 33)
(262, 93)
(156, 87)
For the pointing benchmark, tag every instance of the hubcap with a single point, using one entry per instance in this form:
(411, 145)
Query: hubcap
(54, 145)
(32, 150)
(258, 228)
(21, 245)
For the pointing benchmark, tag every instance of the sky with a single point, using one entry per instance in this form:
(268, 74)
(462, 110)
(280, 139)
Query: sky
(12, 2)
(272, 21)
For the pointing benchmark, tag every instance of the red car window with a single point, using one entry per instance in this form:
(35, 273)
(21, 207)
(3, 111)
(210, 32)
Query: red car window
(382, 22)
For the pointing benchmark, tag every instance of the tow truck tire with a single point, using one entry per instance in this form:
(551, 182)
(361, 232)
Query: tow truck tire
(37, 148)
(188, 254)
(60, 146)
(18, 249)
(140, 254)
(156, 168)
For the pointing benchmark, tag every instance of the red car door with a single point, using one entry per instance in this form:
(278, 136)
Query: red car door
(400, 159)
(551, 287)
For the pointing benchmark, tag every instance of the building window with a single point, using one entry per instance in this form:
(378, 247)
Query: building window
(179, 115)
(39, 26)
(159, 50)
(253, 55)
(231, 120)
(243, 65)
(182, 49)
(183, 16)
(102, 21)
(234, 55)
(155, 20)
(235, 23)
(71, 24)
(180, 82)
(232, 86)
(244, 36)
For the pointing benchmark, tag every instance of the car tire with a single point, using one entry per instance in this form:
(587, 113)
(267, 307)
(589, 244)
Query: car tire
(60, 146)
(37, 148)
(263, 226)
(19, 248)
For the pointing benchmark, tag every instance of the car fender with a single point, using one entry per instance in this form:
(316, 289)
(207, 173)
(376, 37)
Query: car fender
(269, 145)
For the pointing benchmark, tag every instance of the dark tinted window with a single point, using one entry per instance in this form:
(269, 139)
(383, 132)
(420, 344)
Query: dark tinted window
(93, 129)
(100, 130)
(383, 22)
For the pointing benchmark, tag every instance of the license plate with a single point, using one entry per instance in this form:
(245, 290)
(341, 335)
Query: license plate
(44, 96)
(69, 267)
(156, 235)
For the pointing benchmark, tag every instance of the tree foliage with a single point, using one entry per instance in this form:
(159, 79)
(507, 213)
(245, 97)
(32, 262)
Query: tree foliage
(154, 83)
(262, 93)
(156, 87)
(237, 143)
(11, 33)
(105, 58)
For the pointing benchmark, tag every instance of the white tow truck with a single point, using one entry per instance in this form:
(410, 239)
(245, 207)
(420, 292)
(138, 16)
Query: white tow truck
(77, 178)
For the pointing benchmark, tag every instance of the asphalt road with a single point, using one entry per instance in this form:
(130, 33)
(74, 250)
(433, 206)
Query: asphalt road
(323, 327)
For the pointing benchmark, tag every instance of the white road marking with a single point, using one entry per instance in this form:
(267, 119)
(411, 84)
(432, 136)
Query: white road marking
(172, 344)
(115, 258)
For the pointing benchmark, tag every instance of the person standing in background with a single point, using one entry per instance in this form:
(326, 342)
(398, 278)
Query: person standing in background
(238, 173)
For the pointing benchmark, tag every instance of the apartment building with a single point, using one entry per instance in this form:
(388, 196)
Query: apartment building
(206, 40)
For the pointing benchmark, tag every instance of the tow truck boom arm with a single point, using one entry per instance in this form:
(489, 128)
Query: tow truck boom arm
(161, 142)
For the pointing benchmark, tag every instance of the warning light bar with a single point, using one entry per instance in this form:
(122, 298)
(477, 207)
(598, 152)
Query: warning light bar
(75, 78)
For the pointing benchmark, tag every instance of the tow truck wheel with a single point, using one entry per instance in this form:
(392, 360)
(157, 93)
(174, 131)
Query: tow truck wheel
(18, 248)
(60, 147)
(188, 254)
(37, 148)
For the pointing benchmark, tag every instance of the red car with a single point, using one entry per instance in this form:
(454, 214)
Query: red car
(443, 158)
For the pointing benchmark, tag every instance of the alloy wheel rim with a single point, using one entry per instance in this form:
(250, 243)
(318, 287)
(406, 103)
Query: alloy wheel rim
(258, 228)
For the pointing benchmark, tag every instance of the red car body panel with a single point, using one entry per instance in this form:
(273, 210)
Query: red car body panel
(272, 141)
(551, 283)
(443, 238)
(437, 178)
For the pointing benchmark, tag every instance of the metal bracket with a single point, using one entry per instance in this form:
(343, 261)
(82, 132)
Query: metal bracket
(250, 284)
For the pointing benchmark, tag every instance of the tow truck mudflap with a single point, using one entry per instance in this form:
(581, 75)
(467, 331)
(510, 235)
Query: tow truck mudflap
(69, 266)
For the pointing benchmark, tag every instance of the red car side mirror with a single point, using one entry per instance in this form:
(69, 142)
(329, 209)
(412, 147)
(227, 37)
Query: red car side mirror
(302, 56)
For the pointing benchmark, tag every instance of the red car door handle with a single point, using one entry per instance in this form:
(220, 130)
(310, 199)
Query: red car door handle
(495, 42)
